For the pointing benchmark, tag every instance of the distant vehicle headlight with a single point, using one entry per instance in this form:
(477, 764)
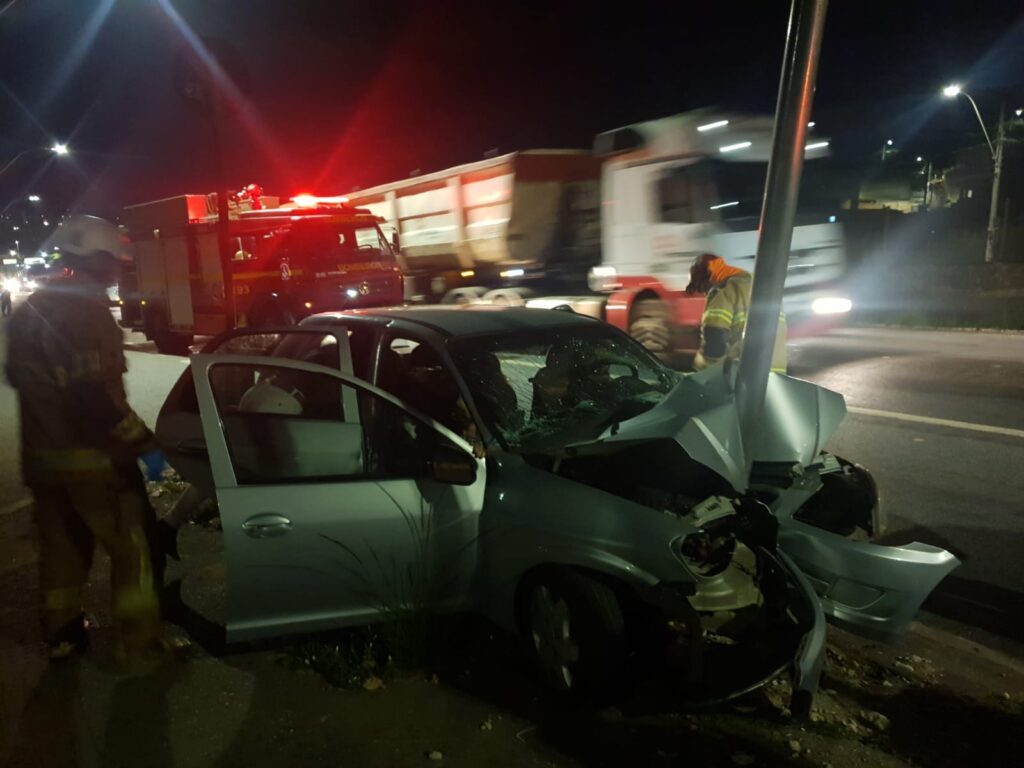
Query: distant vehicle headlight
(12, 284)
(832, 305)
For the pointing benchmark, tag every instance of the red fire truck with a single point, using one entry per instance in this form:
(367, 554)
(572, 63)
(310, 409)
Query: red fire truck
(282, 262)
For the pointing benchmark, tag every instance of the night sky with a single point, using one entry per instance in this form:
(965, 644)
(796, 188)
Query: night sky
(339, 94)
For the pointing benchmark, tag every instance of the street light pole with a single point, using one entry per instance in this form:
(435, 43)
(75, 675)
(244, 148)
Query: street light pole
(981, 122)
(57, 149)
(792, 113)
(991, 233)
(993, 211)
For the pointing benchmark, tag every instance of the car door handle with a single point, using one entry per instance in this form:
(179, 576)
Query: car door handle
(267, 525)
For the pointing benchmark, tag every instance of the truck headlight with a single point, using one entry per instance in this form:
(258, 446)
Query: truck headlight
(831, 305)
(603, 279)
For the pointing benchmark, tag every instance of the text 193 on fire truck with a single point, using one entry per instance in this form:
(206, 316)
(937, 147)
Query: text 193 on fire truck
(286, 261)
(613, 232)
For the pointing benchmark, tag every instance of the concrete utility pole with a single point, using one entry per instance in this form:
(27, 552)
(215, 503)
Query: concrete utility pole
(992, 233)
(792, 113)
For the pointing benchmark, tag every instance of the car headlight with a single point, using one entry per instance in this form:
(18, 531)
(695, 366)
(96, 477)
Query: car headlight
(831, 305)
(708, 552)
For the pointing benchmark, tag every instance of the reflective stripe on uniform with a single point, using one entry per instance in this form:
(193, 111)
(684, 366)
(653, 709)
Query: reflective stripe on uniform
(718, 317)
(86, 365)
(25, 373)
(51, 466)
(61, 599)
(135, 601)
(131, 429)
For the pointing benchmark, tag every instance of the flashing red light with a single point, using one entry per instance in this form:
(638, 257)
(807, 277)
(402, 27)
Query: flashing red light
(306, 200)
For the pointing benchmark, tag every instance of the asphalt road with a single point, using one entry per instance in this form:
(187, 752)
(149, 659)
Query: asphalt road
(937, 416)
(953, 478)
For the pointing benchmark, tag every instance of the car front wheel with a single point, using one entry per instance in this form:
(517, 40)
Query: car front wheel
(577, 632)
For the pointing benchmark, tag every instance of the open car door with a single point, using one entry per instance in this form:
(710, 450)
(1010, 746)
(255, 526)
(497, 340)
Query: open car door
(339, 504)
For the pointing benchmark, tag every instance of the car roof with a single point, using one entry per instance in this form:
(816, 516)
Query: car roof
(461, 320)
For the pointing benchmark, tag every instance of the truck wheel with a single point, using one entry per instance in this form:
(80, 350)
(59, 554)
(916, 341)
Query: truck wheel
(649, 325)
(170, 343)
(576, 629)
(158, 329)
(508, 297)
(466, 295)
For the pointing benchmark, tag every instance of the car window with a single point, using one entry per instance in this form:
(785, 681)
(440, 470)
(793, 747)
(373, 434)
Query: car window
(544, 389)
(284, 425)
(413, 371)
(307, 346)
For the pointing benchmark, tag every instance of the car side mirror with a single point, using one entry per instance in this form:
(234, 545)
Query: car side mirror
(453, 466)
(396, 242)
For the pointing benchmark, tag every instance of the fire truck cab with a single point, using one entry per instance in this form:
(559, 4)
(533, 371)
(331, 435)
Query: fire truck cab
(282, 262)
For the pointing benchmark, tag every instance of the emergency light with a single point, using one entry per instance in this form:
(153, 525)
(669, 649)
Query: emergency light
(312, 201)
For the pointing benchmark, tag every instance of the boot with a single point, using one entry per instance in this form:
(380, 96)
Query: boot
(69, 640)
(167, 539)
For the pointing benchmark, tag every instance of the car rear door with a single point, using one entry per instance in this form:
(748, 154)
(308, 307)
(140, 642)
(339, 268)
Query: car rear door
(331, 513)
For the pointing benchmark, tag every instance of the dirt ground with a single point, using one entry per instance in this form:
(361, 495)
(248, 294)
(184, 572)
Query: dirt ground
(943, 696)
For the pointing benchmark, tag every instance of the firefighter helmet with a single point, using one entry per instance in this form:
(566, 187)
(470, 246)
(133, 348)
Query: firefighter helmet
(86, 236)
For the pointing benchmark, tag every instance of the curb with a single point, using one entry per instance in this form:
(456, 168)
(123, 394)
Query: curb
(1002, 331)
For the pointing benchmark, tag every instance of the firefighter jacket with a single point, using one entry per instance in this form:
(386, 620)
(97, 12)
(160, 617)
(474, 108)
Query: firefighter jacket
(66, 361)
(725, 312)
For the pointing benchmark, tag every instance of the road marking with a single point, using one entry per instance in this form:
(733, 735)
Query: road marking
(1007, 431)
(15, 507)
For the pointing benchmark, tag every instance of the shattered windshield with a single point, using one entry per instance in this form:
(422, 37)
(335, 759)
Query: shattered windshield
(541, 390)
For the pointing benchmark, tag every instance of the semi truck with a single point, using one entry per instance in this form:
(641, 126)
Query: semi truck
(283, 261)
(612, 232)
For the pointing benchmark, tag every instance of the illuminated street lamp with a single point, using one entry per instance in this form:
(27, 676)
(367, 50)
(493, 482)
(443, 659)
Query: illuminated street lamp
(58, 149)
(951, 92)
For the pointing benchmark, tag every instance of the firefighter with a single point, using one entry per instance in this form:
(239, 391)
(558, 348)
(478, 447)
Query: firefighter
(725, 313)
(80, 441)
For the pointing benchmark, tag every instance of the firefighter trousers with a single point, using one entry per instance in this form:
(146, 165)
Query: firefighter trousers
(71, 520)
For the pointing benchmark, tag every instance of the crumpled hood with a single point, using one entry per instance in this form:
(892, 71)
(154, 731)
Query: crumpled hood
(700, 414)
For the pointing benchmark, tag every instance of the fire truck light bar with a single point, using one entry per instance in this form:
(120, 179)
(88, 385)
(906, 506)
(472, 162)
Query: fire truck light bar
(312, 201)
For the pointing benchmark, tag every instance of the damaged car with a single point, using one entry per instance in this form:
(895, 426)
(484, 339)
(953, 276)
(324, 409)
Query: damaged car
(543, 470)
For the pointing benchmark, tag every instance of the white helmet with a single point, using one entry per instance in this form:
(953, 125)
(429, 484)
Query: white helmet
(266, 397)
(89, 236)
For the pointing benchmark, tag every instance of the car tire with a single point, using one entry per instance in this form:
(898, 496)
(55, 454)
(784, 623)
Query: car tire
(577, 632)
(649, 325)
(170, 343)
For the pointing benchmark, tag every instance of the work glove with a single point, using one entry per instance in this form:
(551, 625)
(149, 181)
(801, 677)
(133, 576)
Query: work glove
(155, 462)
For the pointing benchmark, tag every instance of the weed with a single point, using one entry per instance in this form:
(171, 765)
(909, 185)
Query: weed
(347, 660)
